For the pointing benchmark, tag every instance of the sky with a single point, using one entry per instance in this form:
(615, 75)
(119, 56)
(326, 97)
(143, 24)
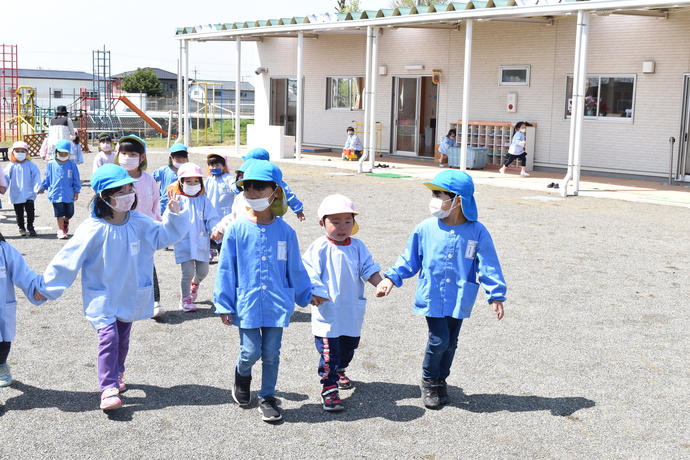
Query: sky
(62, 34)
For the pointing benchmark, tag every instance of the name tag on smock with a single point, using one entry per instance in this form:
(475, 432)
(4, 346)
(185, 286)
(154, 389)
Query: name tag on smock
(134, 248)
(471, 250)
(69, 174)
(282, 250)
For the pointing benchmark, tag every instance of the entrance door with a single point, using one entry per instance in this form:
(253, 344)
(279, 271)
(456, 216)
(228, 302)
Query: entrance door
(683, 171)
(414, 116)
(284, 104)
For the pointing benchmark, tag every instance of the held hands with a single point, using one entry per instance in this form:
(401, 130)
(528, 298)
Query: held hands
(384, 287)
(498, 309)
(38, 295)
(317, 300)
(226, 319)
(174, 205)
(300, 216)
(216, 235)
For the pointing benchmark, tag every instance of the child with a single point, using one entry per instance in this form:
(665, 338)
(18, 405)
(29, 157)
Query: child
(14, 271)
(63, 184)
(516, 151)
(220, 190)
(114, 250)
(239, 204)
(260, 277)
(337, 265)
(131, 155)
(353, 146)
(23, 178)
(76, 153)
(448, 141)
(191, 252)
(166, 175)
(451, 251)
(106, 155)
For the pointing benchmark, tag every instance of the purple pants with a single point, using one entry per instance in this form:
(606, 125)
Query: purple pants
(113, 345)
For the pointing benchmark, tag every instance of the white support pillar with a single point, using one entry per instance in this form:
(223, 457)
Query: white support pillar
(367, 100)
(372, 98)
(466, 94)
(180, 94)
(238, 92)
(186, 139)
(300, 96)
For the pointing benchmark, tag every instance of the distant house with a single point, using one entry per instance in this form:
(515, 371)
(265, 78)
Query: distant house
(55, 87)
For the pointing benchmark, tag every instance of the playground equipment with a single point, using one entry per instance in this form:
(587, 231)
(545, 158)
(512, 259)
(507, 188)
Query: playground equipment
(9, 81)
(359, 129)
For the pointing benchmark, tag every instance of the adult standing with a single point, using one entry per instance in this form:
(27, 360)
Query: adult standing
(61, 127)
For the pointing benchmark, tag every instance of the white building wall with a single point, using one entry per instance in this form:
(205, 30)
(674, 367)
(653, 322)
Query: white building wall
(44, 90)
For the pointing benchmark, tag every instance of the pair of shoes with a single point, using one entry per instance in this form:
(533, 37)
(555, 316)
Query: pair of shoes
(193, 291)
(553, 185)
(441, 165)
(241, 389)
(187, 304)
(443, 392)
(110, 399)
(502, 171)
(5, 375)
(330, 399)
(157, 310)
(23, 232)
(344, 382)
(269, 410)
(32, 232)
(429, 389)
(213, 255)
(524, 174)
(121, 382)
(62, 235)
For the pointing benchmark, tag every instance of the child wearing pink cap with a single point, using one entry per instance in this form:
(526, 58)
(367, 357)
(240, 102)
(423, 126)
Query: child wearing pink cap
(338, 265)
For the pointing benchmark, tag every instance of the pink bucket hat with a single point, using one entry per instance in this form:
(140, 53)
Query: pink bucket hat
(338, 204)
(20, 145)
(189, 170)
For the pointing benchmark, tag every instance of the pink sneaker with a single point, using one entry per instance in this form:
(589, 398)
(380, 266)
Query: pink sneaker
(110, 399)
(187, 304)
(194, 291)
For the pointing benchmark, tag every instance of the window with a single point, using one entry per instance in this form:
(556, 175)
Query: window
(609, 96)
(344, 93)
(57, 94)
(513, 75)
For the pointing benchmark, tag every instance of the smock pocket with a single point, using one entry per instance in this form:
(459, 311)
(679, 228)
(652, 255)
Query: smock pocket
(8, 322)
(143, 306)
(421, 295)
(96, 305)
(467, 296)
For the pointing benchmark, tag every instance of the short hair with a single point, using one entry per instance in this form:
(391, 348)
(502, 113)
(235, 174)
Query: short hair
(258, 185)
(215, 159)
(452, 131)
(350, 128)
(129, 146)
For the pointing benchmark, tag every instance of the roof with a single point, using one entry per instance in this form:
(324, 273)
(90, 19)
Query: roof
(160, 73)
(54, 74)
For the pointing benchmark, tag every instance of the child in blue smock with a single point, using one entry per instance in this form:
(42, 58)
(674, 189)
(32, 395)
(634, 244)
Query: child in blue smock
(76, 154)
(448, 141)
(338, 266)
(114, 250)
(167, 175)
(516, 151)
(220, 190)
(260, 277)
(13, 272)
(453, 254)
(23, 179)
(63, 184)
(192, 251)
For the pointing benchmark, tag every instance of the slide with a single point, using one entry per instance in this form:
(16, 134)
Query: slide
(143, 116)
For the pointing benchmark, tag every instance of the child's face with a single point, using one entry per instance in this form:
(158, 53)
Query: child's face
(215, 165)
(20, 150)
(181, 160)
(338, 226)
(191, 180)
(447, 200)
(124, 190)
(133, 155)
(255, 194)
(105, 146)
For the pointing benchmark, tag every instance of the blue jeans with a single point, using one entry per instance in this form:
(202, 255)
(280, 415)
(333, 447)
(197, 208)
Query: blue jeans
(261, 343)
(441, 346)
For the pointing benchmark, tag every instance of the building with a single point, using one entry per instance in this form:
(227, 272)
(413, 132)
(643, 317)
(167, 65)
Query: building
(54, 87)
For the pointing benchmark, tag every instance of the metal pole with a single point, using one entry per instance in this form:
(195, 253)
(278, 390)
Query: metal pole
(367, 99)
(300, 96)
(187, 138)
(671, 141)
(238, 92)
(466, 95)
(577, 152)
(372, 98)
(575, 108)
(180, 93)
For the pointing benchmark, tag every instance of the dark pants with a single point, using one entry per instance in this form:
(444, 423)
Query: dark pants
(156, 287)
(336, 354)
(440, 348)
(4, 351)
(521, 159)
(19, 212)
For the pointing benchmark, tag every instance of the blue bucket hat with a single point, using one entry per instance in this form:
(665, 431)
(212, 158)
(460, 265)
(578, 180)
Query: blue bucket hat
(110, 176)
(257, 153)
(178, 148)
(64, 146)
(460, 183)
(246, 165)
(263, 171)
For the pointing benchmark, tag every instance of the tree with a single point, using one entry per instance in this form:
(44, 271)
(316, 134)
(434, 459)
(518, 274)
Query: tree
(142, 81)
(347, 6)
(411, 3)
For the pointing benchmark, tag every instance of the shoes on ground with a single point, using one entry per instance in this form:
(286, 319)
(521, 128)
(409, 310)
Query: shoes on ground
(23, 232)
(269, 410)
(193, 291)
(187, 304)
(157, 310)
(344, 382)
(32, 232)
(502, 171)
(110, 399)
(241, 389)
(429, 389)
(5, 375)
(441, 165)
(524, 174)
(121, 382)
(443, 392)
(330, 398)
(62, 235)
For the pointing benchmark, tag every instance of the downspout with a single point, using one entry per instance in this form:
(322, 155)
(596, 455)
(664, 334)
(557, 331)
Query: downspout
(372, 98)
(367, 100)
(466, 94)
(300, 96)
(238, 92)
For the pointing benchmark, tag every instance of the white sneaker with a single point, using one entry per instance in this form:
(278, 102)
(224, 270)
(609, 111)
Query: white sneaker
(502, 171)
(62, 235)
(5, 375)
(524, 174)
(441, 165)
(186, 304)
(157, 310)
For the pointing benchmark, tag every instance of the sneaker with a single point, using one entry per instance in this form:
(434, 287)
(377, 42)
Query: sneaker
(269, 410)
(429, 389)
(241, 389)
(5, 375)
(187, 304)
(194, 291)
(121, 382)
(110, 399)
(443, 392)
(441, 165)
(502, 171)
(213, 255)
(23, 232)
(62, 235)
(344, 382)
(32, 232)
(157, 310)
(330, 398)
(524, 174)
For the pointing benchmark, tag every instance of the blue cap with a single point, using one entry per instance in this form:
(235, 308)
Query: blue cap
(263, 171)
(257, 153)
(246, 165)
(177, 148)
(134, 138)
(460, 183)
(63, 146)
(110, 176)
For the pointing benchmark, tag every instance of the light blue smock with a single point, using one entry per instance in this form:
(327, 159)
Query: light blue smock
(517, 145)
(23, 180)
(165, 176)
(76, 153)
(260, 274)
(62, 181)
(338, 273)
(116, 263)
(14, 271)
(292, 201)
(452, 262)
(219, 189)
(196, 243)
(445, 144)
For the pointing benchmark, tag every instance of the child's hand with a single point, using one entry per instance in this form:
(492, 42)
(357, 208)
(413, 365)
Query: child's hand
(38, 295)
(317, 300)
(2, 190)
(498, 308)
(216, 235)
(300, 216)
(384, 288)
(174, 204)
(41, 191)
(76, 196)
(226, 319)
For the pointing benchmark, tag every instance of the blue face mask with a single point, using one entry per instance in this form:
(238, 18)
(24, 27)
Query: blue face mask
(216, 171)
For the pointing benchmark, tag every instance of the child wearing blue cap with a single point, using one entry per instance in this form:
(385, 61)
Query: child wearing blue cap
(114, 250)
(23, 179)
(167, 175)
(63, 184)
(259, 279)
(453, 254)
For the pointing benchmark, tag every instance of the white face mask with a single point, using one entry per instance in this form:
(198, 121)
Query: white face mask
(260, 204)
(177, 165)
(435, 208)
(129, 163)
(20, 156)
(106, 147)
(123, 203)
(191, 190)
(61, 156)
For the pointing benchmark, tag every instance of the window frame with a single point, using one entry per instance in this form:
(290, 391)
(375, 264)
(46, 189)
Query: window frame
(58, 94)
(600, 118)
(526, 82)
(352, 98)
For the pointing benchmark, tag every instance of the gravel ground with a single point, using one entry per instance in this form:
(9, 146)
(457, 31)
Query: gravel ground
(591, 360)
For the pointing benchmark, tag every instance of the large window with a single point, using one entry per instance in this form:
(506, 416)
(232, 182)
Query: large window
(607, 97)
(344, 93)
